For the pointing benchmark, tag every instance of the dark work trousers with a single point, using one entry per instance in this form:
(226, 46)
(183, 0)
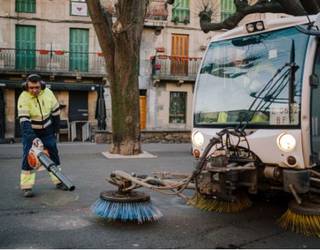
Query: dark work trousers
(50, 143)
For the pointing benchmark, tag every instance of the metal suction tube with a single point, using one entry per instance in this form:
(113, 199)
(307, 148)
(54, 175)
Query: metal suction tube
(51, 167)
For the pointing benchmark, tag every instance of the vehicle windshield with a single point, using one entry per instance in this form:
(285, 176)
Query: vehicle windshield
(247, 80)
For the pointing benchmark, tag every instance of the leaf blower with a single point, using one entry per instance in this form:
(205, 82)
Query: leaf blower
(38, 156)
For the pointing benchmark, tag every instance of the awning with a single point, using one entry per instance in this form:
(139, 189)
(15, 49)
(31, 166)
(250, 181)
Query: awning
(79, 86)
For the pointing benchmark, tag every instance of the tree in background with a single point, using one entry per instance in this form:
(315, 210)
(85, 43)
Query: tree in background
(119, 25)
(120, 44)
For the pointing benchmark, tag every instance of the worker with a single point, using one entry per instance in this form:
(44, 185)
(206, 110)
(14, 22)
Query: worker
(39, 115)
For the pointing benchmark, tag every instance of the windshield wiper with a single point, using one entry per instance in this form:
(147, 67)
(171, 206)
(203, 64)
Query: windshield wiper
(274, 89)
(272, 95)
(292, 78)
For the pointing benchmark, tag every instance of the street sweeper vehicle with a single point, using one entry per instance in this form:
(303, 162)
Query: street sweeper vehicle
(256, 128)
(257, 107)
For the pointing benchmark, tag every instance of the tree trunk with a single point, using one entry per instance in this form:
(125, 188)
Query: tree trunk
(125, 90)
(120, 42)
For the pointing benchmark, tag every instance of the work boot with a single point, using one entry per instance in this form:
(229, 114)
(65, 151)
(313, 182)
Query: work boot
(61, 186)
(27, 193)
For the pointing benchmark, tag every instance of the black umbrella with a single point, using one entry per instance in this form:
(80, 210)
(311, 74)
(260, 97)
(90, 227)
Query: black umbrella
(101, 109)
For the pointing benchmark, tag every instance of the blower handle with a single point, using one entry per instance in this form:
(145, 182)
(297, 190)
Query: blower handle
(51, 167)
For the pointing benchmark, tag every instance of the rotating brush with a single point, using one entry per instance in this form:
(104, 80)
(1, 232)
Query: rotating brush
(303, 218)
(241, 202)
(126, 205)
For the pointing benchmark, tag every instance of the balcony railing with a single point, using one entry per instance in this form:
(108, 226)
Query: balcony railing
(51, 61)
(175, 67)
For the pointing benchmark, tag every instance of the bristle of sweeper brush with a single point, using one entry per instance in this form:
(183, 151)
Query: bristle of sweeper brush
(140, 212)
(199, 201)
(308, 225)
(131, 207)
(302, 218)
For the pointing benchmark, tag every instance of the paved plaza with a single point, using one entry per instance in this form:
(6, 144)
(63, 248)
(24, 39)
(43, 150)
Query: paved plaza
(58, 219)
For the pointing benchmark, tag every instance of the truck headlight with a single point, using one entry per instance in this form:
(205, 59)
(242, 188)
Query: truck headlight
(286, 142)
(197, 139)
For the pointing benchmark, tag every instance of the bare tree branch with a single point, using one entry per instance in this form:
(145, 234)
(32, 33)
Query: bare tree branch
(311, 6)
(243, 8)
(294, 8)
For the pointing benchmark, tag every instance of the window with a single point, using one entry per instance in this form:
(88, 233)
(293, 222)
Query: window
(181, 11)
(27, 6)
(78, 8)
(178, 102)
(227, 9)
(79, 47)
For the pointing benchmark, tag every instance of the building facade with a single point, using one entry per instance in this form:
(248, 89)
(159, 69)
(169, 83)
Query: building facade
(57, 40)
(174, 57)
(177, 53)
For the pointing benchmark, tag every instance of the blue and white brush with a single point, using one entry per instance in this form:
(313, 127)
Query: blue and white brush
(126, 207)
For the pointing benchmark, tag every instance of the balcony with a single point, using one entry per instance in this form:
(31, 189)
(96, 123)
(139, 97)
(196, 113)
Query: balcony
(175, 68)
(52, 62)
(156, 14)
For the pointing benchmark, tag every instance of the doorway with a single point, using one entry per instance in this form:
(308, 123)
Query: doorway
(78, 115)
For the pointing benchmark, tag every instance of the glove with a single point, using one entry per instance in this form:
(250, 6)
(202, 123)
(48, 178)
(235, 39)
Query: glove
(56, 123)
(37, 143)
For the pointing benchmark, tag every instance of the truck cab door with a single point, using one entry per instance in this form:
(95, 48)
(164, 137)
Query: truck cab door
(315, 109)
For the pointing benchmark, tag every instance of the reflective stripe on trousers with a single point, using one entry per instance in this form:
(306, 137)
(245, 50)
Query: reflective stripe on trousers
(28, 179)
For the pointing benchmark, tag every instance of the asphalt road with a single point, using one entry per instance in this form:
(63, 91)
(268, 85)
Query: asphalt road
(58, 219)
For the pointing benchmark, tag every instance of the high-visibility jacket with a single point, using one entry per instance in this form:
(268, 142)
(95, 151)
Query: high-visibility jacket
(40, 111)
(258, 117)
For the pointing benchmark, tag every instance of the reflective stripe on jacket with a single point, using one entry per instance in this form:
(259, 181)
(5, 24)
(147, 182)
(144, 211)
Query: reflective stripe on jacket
(38, 109)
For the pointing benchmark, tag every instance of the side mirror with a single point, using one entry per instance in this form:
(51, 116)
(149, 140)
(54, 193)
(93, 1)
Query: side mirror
(314, 80)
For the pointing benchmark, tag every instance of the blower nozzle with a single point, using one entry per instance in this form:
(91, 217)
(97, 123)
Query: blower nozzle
(38, 157)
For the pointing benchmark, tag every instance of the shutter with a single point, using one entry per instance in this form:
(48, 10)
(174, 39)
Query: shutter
(79, 47)
(181, 11)
(227, 9)
(27, 6)
(179, 54)
(25, 47)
